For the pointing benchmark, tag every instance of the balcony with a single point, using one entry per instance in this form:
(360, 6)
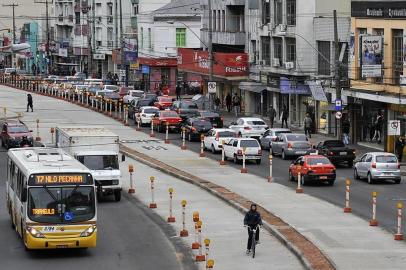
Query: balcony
(226, 38)
(109, 19)
(77, 8)
(134, 22)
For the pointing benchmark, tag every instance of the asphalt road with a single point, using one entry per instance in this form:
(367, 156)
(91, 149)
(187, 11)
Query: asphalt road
(130, 237)
(360, 197)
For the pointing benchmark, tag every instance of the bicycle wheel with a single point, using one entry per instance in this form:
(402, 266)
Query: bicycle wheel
(254, 243)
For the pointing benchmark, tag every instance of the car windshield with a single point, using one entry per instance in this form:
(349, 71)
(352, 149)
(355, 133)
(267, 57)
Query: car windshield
(282, 131)
(143, 103)
(296, 138)
(111, 87)
(256, 123)
(203, 124)
(209, 114)
(61, 204)
(334, 144)
(105, 162)
(151, 110)
(169, 114)
(225, 134)
(165, 99)
(318, 160)
(18, 129)
(188, 106)
(249, 143)
(386, 159)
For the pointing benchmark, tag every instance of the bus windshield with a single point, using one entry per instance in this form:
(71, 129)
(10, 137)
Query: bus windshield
(61, 204)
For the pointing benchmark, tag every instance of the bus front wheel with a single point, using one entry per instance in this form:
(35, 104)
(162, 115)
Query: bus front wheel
(117, 195)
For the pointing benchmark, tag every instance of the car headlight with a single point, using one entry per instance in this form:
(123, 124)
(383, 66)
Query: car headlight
(115, 182)
(34, 232)
(88, 232)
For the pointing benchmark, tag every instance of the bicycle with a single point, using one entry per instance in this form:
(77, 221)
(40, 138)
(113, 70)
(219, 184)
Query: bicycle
(253, 231)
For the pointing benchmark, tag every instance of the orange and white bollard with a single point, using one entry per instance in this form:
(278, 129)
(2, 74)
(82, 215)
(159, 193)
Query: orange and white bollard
(131, 190)
(38, 138)
(207, 245)
(152, 134)
(126, 116)
(110, 108)
(374, 221)
(210, 264)
(183, 147)
(399, 235)
(200, 257)
(347, 208)
(270, 169)
(52, 135)
(202, 154)
(167, 133)
(299, 188)
(153, 204)
(171, 218)
(138, 119)
(196, 218)
(244, 169)
(184, 232)
(223, 155)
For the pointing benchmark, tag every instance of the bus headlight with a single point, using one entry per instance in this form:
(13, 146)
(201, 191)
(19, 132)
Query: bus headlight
(115, 182)
(88, 232)
(34, 232)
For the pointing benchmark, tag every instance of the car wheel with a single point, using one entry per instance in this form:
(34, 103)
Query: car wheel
(284, 155)
(331, 182)
(397, 181)
(258, 161)
(370, 180)
(213, 149)
(302, 180)
(291, 178)
(356, 176)
(117, 195)
(350, 163)
(235, 159)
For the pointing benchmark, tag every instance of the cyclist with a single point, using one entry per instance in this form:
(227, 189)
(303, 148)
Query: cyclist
(252, 219)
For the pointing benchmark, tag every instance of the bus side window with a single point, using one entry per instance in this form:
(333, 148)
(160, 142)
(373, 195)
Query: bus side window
(12, 172)
(18, 184)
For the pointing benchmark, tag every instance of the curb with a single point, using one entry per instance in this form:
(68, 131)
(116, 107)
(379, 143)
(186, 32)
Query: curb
(323, 262)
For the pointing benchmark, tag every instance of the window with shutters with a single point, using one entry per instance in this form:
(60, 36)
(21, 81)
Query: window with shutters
(180, 37)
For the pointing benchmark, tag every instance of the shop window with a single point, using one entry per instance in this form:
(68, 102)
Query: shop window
(77, 17)
(266, 50)
(379, 32)
(180, 37)
(214, 20)
(324, 57)
(266, 12)
(277, 49)
(291, 12)
(278, 12)
(290, 49)
(397, 54)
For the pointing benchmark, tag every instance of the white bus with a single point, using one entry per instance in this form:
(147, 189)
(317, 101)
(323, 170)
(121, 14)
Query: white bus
(51, 199)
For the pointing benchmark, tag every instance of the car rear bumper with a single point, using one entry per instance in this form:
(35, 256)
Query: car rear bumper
(395, 175)
(320, 177)
(340, 158)
(297, 152)
(249, 157)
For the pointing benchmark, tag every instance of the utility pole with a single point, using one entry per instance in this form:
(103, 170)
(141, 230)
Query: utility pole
(46, 2)
(13, 6)
(210, 45)
(92, 35)
(337, 70)
(123, 64)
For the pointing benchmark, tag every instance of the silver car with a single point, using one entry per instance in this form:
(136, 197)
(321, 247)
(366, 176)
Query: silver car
(270, 136)
(291, 145)
(377, 166)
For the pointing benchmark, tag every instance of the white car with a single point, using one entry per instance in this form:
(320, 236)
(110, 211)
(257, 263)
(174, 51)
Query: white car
(146, 114)
(109, 87)
(249, 127)
(235, 147)
(132, 94)
(213, 139)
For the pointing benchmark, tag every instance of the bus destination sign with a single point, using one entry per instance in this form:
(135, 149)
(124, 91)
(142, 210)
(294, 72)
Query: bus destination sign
(60, 179)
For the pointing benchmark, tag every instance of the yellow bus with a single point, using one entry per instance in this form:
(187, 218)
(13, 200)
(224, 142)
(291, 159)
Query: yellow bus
(51, 199)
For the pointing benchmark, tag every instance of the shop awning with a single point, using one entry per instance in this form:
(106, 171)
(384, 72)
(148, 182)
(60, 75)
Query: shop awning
(252, 87)
(375, 97)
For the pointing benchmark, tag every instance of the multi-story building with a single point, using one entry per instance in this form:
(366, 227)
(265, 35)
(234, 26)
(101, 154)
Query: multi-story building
(161, 33)
(377, 56)
(30, 60)
(292, 59)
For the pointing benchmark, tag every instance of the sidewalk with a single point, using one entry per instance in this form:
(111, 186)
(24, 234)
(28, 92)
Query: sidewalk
(346, 239)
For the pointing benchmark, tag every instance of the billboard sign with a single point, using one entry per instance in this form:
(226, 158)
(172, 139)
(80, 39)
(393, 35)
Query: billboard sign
(372, 56)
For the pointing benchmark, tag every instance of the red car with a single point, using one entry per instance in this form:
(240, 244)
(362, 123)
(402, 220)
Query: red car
(163, 102)
(161, 118)
(313, 168)
(13, 132)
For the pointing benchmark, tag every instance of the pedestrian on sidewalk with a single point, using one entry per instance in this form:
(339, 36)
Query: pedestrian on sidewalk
(29, 103)
(272, 115)
(378, 127)
(178, 92)
(228, 102)
(252, 219)
(346, 131)
(217, 103)
(308, 122)
(236, 104)
(285, 116)
(400, 144)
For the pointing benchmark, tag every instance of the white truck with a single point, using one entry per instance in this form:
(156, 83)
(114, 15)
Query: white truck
(98, 149)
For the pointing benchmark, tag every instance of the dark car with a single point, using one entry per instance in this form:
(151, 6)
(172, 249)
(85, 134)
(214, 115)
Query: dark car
(136, 105)
(336, 151)
(12, 133)
(215, 119)
(195, 127)
(151, 96)
(185, 109)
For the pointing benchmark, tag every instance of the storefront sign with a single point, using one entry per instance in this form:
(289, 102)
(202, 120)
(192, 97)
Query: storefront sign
(293, 86)
(135, 66)
(352, 46)
(99, 56)
(394, 128)
(225, 64)
(145, 69)
(158, 62)
(317, 91)
(378, 9)
(371, 56)
(212, 87)
(338, 104)
(62, 52)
